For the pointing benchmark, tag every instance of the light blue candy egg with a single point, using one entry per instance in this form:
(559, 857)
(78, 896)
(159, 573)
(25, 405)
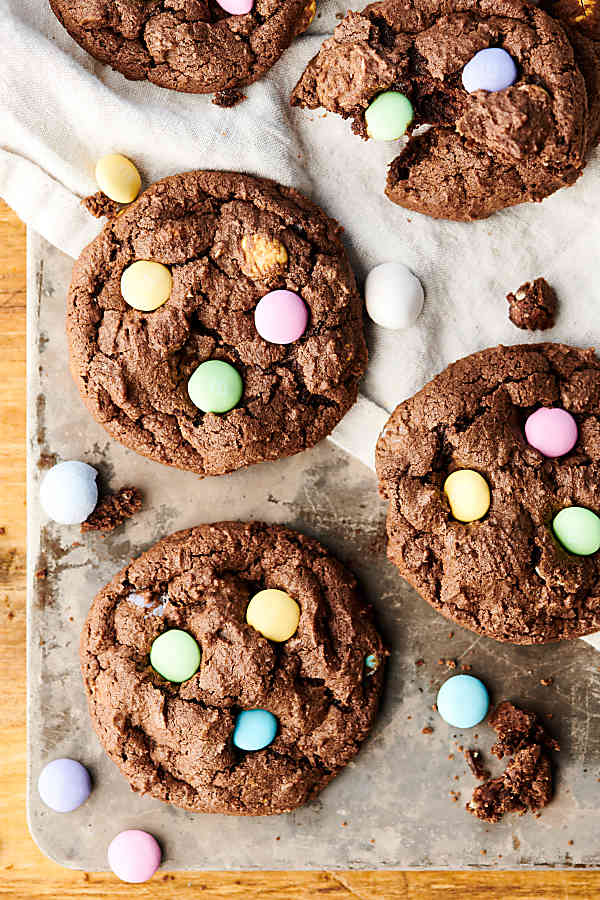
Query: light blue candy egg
(254, 729)
(69, 492)
(492, 69)
(463, 701)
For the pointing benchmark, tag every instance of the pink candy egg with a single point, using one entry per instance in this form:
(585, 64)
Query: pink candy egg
(134, 856)
(552, 431)
(236, 7)
(281, 317)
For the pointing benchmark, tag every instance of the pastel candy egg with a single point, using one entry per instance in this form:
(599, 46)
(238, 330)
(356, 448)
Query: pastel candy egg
(394, 296)
(134, 856)
(215, 386)
(463, 701)
(388, 116)
(69, 493)
(254, 729)
(64, 785)
(371, 663)
(468, 495)
(175, 655)
(236, 7)
(552, 431)
(492, 69)
(146, 285)
(578, 530)
(118, 178)
(281, 317)
(274, 614)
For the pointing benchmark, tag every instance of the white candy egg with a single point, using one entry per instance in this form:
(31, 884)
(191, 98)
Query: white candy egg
(69, 492)
(394, 296)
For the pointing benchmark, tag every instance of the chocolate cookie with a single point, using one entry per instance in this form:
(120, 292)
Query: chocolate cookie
(504, 575)
(227, 240)
(190, 45)
(484, 150)
(176, 741)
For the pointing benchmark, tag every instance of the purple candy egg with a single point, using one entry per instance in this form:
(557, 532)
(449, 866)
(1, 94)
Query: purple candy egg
(490, 70)
(64, 785)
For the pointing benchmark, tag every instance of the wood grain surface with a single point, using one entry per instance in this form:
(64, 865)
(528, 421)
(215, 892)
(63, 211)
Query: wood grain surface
(24, 872)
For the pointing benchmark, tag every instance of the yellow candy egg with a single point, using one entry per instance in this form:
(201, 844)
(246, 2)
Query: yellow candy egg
(146, 285)
(468, 495)
(118, 178)
(274, 614)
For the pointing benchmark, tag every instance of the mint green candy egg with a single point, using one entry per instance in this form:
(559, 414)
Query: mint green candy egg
(388, 116)
(578, 530)
(215, 386)
(175, 655)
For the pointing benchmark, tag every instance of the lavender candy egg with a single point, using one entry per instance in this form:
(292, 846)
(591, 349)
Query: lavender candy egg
(490, 70)
(64, 785)
(69, 492)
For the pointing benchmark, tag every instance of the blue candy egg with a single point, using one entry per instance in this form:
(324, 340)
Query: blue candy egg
(463, 701)
(254, 729)
(490, 70)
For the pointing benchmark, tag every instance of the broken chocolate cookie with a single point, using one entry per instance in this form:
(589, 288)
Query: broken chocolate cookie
(526, 783)
(483, 149)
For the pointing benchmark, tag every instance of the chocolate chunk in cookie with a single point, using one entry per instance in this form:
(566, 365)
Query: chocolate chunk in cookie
(174, 739)
(484, 149)
(188, 45)
(500, 571)
(194, 255)
(533, 305)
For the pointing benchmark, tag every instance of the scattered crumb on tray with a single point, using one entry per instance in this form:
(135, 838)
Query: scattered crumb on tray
(113, 510)
(533, 306)
(474, 760)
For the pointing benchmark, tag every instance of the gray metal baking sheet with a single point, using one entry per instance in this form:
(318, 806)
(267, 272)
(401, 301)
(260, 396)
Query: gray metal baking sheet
(392, 807)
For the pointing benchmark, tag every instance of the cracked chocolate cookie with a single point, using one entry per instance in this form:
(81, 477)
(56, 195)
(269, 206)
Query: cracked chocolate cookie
(484, 551)
(219, 243)
(320, 686)
(526, 785)
(189, 45)
(483, 150)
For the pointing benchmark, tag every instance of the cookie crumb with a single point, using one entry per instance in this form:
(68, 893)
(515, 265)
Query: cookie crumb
(474, 761)
(427, 730)
(41, 574)
(533, 306)
(466, 668)
(2, 530)
(547, 682)
(100, 206)
(113, 510)
(228, 98)
(419, 662)
(570, 843)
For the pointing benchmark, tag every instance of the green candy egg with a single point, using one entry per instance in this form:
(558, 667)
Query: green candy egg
(578, 530)
(215, 386)
(175, 655)
(388, 116)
